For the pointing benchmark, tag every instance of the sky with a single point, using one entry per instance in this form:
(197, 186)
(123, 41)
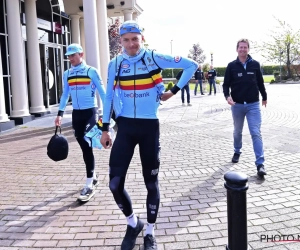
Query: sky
(216, 25)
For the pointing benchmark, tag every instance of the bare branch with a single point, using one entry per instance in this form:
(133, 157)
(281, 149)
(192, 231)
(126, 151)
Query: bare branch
(196, 53)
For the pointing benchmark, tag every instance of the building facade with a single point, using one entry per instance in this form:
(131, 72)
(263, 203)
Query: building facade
(34, 35)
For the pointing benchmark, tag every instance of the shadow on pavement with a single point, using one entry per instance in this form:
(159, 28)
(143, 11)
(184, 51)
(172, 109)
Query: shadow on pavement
(36, 132)
(256, 179)
(20, 227)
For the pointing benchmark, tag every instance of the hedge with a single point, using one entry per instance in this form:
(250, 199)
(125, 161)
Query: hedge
(267, 70)
(167, 73)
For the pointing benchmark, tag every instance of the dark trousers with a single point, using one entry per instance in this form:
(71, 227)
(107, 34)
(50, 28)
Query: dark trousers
(196, 86)
(187, 89)
(212, 82)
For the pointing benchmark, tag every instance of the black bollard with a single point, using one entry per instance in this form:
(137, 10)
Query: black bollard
(236, 185)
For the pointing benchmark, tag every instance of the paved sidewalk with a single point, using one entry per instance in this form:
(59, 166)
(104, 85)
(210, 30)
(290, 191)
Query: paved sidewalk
(38, 209)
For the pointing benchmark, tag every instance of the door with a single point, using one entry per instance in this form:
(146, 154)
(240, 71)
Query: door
(52, 73)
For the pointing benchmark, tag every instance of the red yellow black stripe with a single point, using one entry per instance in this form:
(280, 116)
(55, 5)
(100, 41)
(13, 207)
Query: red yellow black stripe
(140, 82)
(79, 81)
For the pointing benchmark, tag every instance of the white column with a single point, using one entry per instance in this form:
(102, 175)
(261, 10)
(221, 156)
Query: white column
(127, 15)
(3, 115)
(75, 31)
(103, 39)
(91, 35)
(135, 16)
(33, 54)
(82, 36)
(16, 61)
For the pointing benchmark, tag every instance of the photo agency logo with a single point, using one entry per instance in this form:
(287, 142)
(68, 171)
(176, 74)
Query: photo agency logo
(280, 238)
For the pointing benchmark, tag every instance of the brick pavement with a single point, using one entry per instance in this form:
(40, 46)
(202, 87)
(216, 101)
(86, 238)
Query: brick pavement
(38, 209)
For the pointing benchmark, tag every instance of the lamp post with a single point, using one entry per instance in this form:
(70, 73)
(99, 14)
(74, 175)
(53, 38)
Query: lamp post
(211, 58)
(172, 54)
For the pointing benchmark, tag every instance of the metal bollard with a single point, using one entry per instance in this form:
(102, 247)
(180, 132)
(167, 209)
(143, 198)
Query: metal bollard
(236, 185)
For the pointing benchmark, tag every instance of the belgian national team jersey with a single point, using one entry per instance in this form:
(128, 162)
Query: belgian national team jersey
(139, 85)
(81, 82)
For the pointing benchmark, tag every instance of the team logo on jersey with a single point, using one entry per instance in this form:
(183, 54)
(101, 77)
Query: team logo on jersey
(135, 95)
(163, 58)
(125, 66)
(177, 59)
(93, 86)
(78, 88)
(126, 71)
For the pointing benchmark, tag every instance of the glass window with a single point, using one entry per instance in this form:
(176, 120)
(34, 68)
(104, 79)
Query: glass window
(66, 62)
(52, 38)
(66, 40)
(4, 54)
(6, 85)
(59, 73)
(56, 17)
(58, 39)
(44, 10)
(2, 16)
(65, 21)
(55, 9)
(43, 35)
(23, 30)
(61, 5)
(22, 7)
(64, 49)
(69, 38)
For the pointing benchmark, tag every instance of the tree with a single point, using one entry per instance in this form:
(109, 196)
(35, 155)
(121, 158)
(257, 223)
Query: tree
(196, 53)
(206, 67)
(114, 38)
(284, 46)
